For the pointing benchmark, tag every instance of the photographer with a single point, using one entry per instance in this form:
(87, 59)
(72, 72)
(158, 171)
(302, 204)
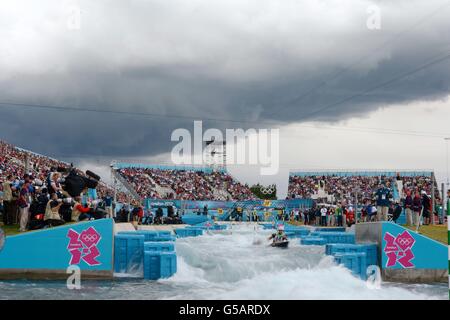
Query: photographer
(80, 212)
(83, 213)
(52, 217)
(37, 210)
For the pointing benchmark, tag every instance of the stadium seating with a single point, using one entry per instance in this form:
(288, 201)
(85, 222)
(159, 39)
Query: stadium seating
(182, 183)
(338, 185)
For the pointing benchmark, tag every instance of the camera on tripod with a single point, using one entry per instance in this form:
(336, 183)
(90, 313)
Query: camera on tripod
(74, 183)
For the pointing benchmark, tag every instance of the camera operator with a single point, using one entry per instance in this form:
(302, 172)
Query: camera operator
(97, 211)
(52, 216)
(38, 208)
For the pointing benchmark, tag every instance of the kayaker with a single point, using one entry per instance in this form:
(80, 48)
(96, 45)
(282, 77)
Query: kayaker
(280, 235)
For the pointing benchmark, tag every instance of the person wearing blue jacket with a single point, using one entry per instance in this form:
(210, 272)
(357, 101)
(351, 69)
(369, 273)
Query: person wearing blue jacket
(383, 198)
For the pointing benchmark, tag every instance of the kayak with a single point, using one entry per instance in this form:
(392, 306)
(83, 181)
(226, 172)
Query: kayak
(280, 244)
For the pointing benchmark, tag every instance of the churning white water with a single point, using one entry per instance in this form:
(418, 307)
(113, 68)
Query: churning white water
(236, 264)
(243, 266)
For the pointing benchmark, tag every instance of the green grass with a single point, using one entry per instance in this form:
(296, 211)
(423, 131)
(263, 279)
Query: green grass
(11, 230)
(14, 229)
(435, 232)
(295, 223)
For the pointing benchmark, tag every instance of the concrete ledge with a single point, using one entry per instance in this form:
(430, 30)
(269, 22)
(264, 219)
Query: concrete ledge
(415, 275)
(368, 232)
(123, 226)
(47, 274)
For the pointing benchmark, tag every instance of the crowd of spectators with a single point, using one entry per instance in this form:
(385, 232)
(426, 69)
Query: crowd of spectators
(340, 187)
(31, 192)
(375, 196)
(186, 184)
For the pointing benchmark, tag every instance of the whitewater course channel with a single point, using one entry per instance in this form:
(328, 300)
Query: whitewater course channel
(233, 264)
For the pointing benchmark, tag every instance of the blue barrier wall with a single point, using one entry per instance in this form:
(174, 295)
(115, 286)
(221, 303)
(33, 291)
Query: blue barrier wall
(88, 245)
(189, 205)
(403, 248)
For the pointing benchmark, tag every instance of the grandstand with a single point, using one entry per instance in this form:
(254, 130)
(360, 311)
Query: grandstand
(335, 186)
(182, 182)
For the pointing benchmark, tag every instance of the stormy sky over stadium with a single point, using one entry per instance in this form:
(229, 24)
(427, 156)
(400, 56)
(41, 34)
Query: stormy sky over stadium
(89, 81)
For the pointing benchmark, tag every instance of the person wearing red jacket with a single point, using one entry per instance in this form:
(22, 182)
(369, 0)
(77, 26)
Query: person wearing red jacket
(79, 212)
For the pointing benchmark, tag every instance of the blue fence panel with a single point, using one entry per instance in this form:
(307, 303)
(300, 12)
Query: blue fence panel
(159, 264)
(128, 251)
(355, 261)
(159, 246)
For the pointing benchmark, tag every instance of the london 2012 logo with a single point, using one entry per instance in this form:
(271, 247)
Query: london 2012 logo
(83, 246)
(2, 238)
(267, 190)
(399, 249)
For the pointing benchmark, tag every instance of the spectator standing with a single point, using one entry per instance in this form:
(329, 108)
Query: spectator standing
(9, 203)
(332, 219)
(426, 207)
(323, 216)
(108, 200)
(24, 206)
(408, 208)
(338, 214)
(417, 208)
(296, 215)
(344, 215)
(383, 195)
(306, 215)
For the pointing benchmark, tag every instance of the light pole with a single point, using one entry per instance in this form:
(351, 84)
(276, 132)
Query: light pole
(447, 139)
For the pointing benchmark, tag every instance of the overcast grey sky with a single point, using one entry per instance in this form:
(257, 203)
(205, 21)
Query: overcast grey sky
(296, 62)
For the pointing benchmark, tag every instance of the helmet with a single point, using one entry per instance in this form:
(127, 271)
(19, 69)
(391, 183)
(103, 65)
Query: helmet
(280, 227)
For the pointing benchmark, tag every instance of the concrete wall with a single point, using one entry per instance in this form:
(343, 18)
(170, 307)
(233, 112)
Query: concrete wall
(404, 255)
(124, 226)
(49, 252)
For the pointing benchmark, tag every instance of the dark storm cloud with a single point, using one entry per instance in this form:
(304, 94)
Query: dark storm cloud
(262, 61)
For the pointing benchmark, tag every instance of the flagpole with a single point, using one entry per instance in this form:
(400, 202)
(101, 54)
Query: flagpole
(448, 238)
